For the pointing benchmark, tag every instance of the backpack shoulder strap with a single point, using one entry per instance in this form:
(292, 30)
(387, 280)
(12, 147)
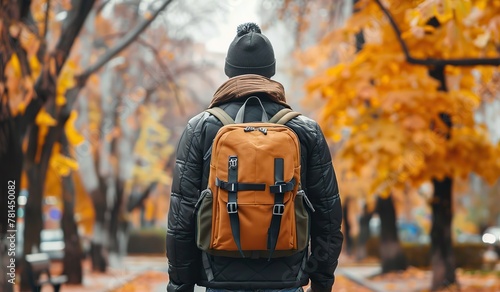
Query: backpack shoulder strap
(283, 116)
(221, 115)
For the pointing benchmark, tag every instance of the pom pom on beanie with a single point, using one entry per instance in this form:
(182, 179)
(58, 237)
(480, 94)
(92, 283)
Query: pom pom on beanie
(250, 53)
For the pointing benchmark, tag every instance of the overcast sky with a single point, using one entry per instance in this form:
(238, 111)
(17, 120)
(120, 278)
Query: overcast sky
(238, 12)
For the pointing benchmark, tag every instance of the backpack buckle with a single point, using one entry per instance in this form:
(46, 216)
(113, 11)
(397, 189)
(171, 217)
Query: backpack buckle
(279, 187)
(278, 209)
(232, 207)
(233, 162)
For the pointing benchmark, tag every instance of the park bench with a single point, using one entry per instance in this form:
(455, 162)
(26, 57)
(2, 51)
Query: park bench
(38, 271)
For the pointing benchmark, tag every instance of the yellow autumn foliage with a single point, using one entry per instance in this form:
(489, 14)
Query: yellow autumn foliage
(19, 87)
(387, 111)
(62, 165)
(152, 147)
(65, 81)
(44, 121)
(73, 136)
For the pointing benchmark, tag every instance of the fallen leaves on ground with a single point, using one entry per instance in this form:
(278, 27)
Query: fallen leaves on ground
(477, 281)
(151, 279)
(144, 282)
(343, 284)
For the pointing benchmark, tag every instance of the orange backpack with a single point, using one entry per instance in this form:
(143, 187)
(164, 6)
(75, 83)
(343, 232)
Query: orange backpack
(253, 206)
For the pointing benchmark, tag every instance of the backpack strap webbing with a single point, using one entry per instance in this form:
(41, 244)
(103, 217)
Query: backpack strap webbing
(221, 115)
(279, 207)
(232, 202)
(283, 116)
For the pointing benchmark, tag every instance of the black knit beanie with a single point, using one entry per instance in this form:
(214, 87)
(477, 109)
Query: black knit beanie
(250, 53)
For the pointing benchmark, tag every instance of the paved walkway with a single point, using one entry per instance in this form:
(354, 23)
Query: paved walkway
(119, 274)
(149, 274)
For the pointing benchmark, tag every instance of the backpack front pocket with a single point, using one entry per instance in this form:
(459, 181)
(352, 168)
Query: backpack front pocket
(254, 222)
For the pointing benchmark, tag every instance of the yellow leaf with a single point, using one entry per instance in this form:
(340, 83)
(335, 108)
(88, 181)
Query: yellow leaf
(481, 4)
(21, 108)
(15, 65)
(74, 138)
(336, 137)
(66, 81)
(45, 119)
(447, 14)
(60, 100)
(462, 9)
(35, 66)
(63, 164)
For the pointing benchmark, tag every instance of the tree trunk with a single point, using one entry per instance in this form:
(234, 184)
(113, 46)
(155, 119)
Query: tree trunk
(33, 217)
(391, 252)
(106, 172)
(36, 168)
(116, 218)
(5, 277)
(73, 254)
(98, 247)
(11, 160)
(347, 227)
(442, 257)
(364, 234)
(92, 185)
(123, 149)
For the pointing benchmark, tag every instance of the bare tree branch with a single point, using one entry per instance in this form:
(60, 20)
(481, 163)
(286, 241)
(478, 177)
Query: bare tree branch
(70, 30)
(24, 8)
(137, 200)
(45, 84)
(101, 6)
(123, 43)
(166, 71)
(432, 61)
(46, 21)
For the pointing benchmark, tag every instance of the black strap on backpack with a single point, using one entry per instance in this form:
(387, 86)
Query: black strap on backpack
(232, 205)
(279, 189)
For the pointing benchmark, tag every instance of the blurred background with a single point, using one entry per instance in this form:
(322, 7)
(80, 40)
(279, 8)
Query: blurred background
(96, 93)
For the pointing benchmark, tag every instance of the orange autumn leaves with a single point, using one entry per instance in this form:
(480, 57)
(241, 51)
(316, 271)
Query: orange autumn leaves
(387, 111)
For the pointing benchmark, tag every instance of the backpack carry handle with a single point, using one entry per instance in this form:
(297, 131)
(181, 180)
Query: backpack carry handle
(240, 116)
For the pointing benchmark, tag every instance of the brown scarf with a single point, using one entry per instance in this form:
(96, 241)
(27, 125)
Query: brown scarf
(246, 85)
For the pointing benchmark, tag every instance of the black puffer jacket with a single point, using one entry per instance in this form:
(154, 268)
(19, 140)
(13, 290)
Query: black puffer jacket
(188, 266)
